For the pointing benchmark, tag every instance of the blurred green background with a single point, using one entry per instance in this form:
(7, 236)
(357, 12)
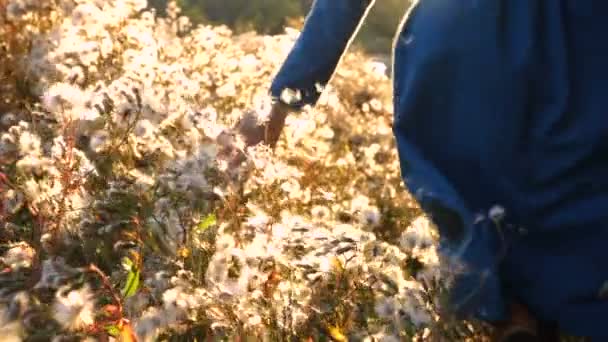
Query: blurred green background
(271, 16)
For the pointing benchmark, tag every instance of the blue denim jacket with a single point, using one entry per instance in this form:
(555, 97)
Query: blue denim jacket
(501, 123)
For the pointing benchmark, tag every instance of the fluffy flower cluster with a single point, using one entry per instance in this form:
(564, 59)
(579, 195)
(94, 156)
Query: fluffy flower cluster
(127, 215)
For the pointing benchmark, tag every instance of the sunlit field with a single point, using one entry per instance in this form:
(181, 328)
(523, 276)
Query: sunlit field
(124, 216)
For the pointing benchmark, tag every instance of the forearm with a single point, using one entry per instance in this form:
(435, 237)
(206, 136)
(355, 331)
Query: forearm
(328, 31)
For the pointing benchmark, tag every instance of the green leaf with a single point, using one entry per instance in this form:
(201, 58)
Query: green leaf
(207, 222)
(132, 284)
(112, 330)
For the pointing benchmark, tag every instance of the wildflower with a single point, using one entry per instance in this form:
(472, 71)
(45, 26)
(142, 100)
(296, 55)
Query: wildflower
(385, 308)
(320, 212)
(254, 320)
(150, 324)
(259, 221)
(29, 144)
(325, 133)
(74, 310)
(378, 68)
(325, 265)
(227, 90)
(142, 180)
(497, 213)
(375, 105)
(12, 201)
(291, 96)
(249, 64)
(62, 93)
(292, 188)
(87, 115)
(8, 119)
(319, 87)
(359, 203)
(143, 128)
(370, 216)
(31, 164)
(98, 140)
(417, 235)
(18, 256)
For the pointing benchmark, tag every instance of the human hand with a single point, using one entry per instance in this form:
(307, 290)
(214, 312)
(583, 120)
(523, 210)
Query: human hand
(269, 132)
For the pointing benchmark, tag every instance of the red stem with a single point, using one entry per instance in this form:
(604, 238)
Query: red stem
(106, 283)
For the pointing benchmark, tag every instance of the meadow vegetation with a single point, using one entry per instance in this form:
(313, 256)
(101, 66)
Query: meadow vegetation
(123, 217)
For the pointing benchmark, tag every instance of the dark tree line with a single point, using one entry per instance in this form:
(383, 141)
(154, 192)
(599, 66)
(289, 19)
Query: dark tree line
(271, 16)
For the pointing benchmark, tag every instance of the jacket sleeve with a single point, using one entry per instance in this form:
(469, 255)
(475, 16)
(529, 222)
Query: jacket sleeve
(327, 32)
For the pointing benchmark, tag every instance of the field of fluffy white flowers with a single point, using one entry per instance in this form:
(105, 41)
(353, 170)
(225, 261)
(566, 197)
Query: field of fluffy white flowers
(123, 218)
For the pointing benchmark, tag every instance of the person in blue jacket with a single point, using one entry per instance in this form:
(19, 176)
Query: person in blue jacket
(501, 123)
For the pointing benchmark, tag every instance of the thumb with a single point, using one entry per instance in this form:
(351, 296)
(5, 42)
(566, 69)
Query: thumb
(250, 129)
